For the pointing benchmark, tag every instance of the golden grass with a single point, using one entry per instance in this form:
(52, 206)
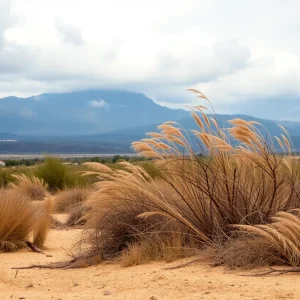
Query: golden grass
(30, 186)
(240, 184)
(18, 220)
(240, 181)
(158, 247)
(67, 199)
(282, 235)
(41, 227)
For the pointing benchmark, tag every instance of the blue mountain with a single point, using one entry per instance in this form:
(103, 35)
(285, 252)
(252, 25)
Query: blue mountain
(84, 112)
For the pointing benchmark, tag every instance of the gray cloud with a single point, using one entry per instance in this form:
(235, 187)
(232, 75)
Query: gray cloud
(242, 65)
(5, 19)
(16, 58)
(69, 33)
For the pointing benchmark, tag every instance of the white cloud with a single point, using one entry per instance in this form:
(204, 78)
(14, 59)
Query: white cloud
(98, 103)
(156, 47)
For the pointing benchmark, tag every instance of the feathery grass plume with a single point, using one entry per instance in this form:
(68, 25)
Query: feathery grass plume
(30, 186)
(17, 220)
(282, 235)
(241, 182)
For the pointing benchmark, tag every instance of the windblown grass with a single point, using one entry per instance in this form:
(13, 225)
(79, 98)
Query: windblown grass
(29, 186)
(282, 235)
(240, 180)
(18, 220)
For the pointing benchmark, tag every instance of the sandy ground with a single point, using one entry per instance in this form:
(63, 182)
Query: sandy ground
(150, 281)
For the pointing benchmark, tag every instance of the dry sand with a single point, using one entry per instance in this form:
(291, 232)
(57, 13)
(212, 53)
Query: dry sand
(150, 281)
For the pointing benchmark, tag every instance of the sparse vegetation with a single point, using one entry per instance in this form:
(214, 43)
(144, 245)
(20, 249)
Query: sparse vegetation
(238, 198)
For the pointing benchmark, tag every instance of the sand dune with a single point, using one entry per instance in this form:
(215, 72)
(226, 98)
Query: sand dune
(150, 281)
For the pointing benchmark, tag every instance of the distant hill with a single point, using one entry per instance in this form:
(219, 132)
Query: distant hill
(85, 112)
(101, 121)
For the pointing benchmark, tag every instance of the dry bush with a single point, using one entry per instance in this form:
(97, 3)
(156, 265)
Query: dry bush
(67, 199)
(18, 220)
(71, 201)
(240, 180)
(30, 186)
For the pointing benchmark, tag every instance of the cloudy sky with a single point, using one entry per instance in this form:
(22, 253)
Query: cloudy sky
(244, 55)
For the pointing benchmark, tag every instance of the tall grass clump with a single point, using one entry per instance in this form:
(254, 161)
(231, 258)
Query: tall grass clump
(239, 179)
(53, 172)
(71, 201)
(29, 186)
(114, 220)
(19, 218)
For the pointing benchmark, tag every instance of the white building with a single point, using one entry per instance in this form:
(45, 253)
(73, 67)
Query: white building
(2, 164)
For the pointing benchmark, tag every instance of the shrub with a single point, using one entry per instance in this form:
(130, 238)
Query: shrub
(31, 187)
(53, 172)
(4, 178)
(67, 199)
(18, 220)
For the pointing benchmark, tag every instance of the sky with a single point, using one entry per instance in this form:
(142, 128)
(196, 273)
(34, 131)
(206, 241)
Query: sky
(243, 55)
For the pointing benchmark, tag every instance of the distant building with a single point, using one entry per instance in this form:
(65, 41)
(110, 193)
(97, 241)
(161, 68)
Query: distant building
(2, 164)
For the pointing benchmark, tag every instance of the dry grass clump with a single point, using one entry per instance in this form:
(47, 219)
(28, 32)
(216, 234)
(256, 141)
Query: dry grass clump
(18, 220)
(115, 220)
(244, 252)
(282, 235)
(67, 199)
(71, 201)
(241, 180)
(30, 186)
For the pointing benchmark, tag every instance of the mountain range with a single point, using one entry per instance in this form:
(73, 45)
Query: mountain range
(97, 121)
